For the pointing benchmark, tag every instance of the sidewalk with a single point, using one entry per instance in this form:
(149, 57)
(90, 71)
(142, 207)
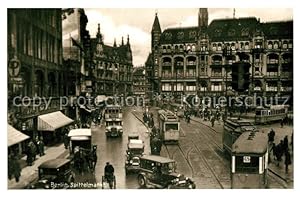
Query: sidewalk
(280, 133)
(30, 173)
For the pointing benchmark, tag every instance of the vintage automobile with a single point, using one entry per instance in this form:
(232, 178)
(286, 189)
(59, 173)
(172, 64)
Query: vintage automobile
(113, 128)
(135, 149)
(159, 172)
(54, 174)
(81, 148)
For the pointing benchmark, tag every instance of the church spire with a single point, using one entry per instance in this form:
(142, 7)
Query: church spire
(115, 43)
(128, 40)
(156, 25)
(99, 36)
(122, 41)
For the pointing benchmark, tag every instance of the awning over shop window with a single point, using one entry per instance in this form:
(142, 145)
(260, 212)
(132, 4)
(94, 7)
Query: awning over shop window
(14, 136)
(53, 121)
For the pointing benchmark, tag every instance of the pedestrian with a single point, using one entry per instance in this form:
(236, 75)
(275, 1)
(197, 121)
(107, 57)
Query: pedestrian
(66, 141)
(213, 121)
(287, 161)
(29, 158)
(271, 136)
(16, 169)
(42, 147)
(281, 123)
(285, 146)
(10, 166)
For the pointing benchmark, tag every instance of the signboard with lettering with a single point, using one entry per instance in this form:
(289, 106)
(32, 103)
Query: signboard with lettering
(14, 67)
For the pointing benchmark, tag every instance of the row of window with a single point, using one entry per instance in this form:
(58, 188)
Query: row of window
(246, 45)
(178, 48)
(38, 43)
(109, 66)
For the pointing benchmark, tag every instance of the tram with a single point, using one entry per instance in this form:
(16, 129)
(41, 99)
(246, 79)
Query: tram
(270, 114)
(169, 126)
(233, 128)
(249, 161)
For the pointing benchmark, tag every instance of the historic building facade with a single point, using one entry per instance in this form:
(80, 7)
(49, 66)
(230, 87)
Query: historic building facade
(34, 64)
(113, 67)
(197, 60)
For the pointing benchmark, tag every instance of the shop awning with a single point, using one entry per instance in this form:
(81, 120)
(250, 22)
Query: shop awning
(14, 136)
(53, 121)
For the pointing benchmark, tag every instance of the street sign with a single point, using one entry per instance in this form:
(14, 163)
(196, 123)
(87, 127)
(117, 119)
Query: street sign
(14, 67)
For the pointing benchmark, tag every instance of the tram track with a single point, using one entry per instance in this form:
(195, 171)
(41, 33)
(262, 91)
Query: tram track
(207, 165)
(186, 157)
(275, 177)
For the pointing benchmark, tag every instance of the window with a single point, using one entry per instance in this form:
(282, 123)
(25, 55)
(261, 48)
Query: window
(219, 47)
(233, 46)
(216, 87)
(214, 47)
(290, 45)
(247, 164)
(284, 45)
(166, 87)
(276, 45)
(247, 46)
(179, 87)
(242, 45)
(193, 48)
(190, 87)
(270, 45)
(171, 126)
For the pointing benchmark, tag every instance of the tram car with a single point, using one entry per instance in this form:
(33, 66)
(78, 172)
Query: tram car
(233, 128)
(271, 114)
(249, 161)
(169, 126)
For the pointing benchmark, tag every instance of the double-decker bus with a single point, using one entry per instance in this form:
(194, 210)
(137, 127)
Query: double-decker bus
(113, 120)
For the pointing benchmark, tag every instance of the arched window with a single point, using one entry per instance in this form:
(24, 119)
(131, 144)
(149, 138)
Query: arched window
(219, 47)
(276, 45)
(193, 48)
(214, 47)
(270, 45)
(247, 46)
(284, 45)
(233, 46)
(290, 44)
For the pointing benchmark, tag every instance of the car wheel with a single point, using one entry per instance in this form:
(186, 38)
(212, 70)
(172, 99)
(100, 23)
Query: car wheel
(142, 181)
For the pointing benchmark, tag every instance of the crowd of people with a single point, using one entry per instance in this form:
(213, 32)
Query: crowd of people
(280, 149)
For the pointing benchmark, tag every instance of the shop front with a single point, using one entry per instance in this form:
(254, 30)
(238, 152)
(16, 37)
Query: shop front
(51, 126)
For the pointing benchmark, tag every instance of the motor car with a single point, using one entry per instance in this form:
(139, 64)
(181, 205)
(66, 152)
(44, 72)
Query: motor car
(135, 149)
(54, 174)
(160, 172)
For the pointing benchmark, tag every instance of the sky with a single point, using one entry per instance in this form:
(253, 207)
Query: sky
(137, 23)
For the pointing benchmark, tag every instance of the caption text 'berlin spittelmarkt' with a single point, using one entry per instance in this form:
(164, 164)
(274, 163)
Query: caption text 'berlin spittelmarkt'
(150, 98)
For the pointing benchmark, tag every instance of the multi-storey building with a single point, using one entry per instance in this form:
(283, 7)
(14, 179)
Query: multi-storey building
(35, 74)
(112, 67)
(197, 60)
